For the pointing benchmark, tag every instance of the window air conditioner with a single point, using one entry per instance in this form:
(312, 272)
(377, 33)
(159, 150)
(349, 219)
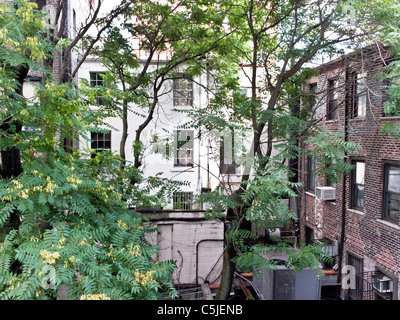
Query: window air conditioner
(325, 193)
(383, 284)
(332, 249)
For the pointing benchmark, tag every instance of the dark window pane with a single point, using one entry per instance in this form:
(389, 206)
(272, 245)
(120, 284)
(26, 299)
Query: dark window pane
(393, 206)
(332, 100)
(97, 80)
(100, 140)
(182, 200)
(359, 196)
(392, 192)
(357, 182)
(184, 148)
(310, 174)
(227, 154)
(182, 92)
(360, 103)
(332, 110)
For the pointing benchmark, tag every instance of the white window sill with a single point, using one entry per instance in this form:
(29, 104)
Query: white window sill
(182, 108)
(390, 118)
(310, 193)
(361, 213)
(237, 175)
(389, 224)
(182, 169)
(361, 118)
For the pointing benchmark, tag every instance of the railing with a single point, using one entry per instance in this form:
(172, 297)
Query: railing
(364, 289)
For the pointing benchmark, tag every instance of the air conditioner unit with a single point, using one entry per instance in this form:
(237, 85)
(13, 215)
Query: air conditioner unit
(332, 249)
(383, 284)
(325, 193)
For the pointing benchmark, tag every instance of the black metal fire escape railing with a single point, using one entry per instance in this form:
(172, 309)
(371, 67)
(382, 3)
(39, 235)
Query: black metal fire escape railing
(369, 286)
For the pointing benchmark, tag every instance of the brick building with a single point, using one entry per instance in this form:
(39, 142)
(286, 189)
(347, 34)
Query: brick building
(360, 213)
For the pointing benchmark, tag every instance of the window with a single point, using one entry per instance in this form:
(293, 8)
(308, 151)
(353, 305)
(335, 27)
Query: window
(332, 99)
(309, 235)
(227, 154)
(391, 192)
(96, 80)
(182, 200)
(313, 96)
(357, 185)
(330, 177)
(68, 144)
(243, 91)
(101, 140)
(310, 173)
(183, 92)
(391, 106)
(184, 148)
(360, 98)
(357, 263)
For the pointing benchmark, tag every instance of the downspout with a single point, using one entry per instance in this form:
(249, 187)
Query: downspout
(294, 166)
(343, 207)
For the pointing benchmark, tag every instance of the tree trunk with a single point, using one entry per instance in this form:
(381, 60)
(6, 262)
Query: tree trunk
(124, 134)
(11, 164)
(227, 272)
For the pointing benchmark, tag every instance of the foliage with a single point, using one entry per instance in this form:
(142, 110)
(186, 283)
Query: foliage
(331, 153)
(311, 256)
(74, 227)
(390, 76)
(177, 38)
(274, 43)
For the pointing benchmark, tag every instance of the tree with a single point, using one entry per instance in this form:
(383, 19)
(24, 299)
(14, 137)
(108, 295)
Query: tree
(390, 34)
(64, 219)
(275, 42)
(54, 29)
(179, 30)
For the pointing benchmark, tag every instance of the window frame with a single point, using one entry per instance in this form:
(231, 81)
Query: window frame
(329, 182)
(353, 184)
(357, 262)
(311, 173)
(186, 204)
(313, 90)
(385, 191)
(104, 140)
(97, 82)
(359, 77)
(225, 157)
(178, 149)
(184, 94)
(390, 105)
(332, 112)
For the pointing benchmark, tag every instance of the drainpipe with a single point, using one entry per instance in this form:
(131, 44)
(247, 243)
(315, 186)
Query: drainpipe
(294, 166)
(343, 207)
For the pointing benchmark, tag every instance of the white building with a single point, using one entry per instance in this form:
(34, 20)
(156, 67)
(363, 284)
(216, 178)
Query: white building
(189, 155)
(175, 151)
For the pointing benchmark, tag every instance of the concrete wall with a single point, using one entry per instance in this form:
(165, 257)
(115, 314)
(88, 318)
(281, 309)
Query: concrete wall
(192, 241)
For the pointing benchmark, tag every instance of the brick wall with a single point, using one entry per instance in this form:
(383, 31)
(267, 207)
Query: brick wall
(367, 234)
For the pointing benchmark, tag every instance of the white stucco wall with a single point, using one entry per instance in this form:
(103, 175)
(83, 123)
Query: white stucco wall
(181, 236)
